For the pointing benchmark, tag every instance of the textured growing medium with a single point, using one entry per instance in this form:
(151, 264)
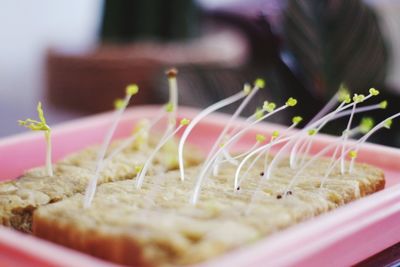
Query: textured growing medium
(162, 228)
(18, 198)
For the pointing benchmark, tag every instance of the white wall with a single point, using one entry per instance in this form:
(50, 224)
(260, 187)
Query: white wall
(27, 29)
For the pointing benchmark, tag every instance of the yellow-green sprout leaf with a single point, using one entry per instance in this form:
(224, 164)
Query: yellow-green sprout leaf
(119, 103)
(141, 130)
(132, 89)
(366, 124)
(169, 107)
(138, 168)
(343, 94)
(260, 138)
(269, 106)
(40, 113)
(353, 154)
(140, 125)
(259, 113)
(388, 123)
(260, 83)
(296, 119)
(383, 104)
(312, 131)
(373, 91)
(184, 122)
(291, 102)
(275, 134)
(35, 125)
(358, 98)
(246, 88)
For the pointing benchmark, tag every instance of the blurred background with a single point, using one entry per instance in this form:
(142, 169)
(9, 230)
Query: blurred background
(77, 56)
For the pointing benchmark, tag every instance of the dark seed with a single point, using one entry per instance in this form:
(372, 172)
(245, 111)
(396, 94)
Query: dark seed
(278, 196)
(289, 193)
(238, 188)
(261, 173)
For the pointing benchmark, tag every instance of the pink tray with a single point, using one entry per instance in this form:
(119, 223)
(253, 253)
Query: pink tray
(339, 238)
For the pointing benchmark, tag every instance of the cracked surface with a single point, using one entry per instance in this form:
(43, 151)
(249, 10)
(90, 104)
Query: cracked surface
(20, 197)
(156, 226)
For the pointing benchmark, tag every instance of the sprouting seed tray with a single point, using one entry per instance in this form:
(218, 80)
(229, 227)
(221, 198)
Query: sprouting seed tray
(341, 237)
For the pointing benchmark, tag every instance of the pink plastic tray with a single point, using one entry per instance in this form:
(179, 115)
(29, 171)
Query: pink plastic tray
(340, 238)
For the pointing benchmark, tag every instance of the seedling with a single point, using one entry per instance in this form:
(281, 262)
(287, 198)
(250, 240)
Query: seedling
(41, 125)
(246, 92)
(211, 157)
(163, 141)
(276, 138)
(120, 106)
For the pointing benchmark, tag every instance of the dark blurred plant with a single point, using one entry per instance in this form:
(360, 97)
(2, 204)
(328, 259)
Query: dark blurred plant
(127, 20)
(335, 41)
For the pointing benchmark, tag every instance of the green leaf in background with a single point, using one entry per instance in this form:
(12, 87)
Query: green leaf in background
(336, 41)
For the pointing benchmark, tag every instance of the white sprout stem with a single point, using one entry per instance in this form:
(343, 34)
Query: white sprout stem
(291, 138)
(247, 120)
(351, 165)
(207, 164)
(262, 149)
(258, 150)
(231, 120)
(240, 109)
(232, 160)
(276, 159)
(239, 134)
(197, 119)
(360, 141)
(142, 173)
(320, 153)
(91, 188)
(332, 102)
(344, 137)
(346, 113)
(173, 100)
(216, 167)
(229, 158)
(358, 110)
(307, 150)
(320, 123)
(332, 164)
(265, 148)
(126, 143)
(309, 162)
(244, 176)
(308, 144)
(324, 120)
(266, 157)
(49, 167)
(256, 144)
(278, 156)
(377, 127)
